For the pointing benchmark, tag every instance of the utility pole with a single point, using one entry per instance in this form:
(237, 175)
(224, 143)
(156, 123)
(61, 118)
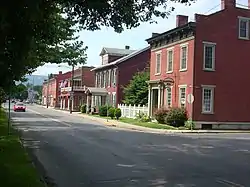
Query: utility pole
(47, 97)
(72, 90)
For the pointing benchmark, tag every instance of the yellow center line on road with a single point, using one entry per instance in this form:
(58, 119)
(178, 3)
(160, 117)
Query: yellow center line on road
(52, 119)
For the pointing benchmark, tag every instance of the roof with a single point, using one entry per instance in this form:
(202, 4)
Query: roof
(172, 31)
(115, 51)
(96, 91)
(123, 59)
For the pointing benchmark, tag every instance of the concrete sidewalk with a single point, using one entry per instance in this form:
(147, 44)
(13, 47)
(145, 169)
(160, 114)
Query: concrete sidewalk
(122, 125)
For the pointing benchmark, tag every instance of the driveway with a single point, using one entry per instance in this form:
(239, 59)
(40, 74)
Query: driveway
(76, 152)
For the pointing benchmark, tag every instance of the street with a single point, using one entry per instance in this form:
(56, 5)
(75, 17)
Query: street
(76, 152)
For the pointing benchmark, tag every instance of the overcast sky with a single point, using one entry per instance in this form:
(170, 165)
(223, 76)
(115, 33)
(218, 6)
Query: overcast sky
(135, 38)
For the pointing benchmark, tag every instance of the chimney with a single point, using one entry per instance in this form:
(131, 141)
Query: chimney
(155, 34)
(228, 4)
(181, 20)
(60, 72)
(127, 47)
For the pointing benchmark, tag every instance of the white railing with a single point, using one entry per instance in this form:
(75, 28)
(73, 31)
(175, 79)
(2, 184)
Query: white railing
(76, 88)
(130, 111)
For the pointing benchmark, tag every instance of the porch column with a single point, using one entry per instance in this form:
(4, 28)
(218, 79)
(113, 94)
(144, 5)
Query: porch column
(72, 106)
(87, 104)
(64, 102)
(68, 102)
(162, 96)
(61, 103)
(159, 96)
(92, 103)
(149, 101)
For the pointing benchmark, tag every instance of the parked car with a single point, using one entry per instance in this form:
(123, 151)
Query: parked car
(19, 107)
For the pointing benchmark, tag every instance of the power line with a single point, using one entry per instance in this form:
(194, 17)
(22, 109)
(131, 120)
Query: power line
(212, 9)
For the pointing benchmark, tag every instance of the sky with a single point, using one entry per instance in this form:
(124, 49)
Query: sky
(135, 38)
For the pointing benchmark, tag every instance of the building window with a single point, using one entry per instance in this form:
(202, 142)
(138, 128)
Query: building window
(182, 96)
(207, 99)
(158, 63)
(108, 78)
(244, 28)
(114, 77)
(114, 99)
(170, 57)
(183, 57)
(169, 96)
(209, 56)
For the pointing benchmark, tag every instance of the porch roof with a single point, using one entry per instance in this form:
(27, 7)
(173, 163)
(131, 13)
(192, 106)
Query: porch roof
(96, 91)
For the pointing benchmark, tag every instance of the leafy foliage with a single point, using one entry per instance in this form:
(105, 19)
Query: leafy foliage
(176, 117)
(161, 114)
(111, 112)
(2, 96)
(142, 117)
(19, 92)
(103, 110)
(33, 33)
(118, 113)
(136, 92)
(83, 108)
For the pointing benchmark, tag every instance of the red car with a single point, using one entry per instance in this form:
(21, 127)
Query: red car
(19, 107)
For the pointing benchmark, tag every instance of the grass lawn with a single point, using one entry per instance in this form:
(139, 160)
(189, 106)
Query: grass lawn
(16, 170)
(146, 124)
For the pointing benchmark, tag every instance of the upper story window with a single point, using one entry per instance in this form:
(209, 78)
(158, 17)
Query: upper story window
(183, 57)
(209, 56)
(244, 28)
(170, 58)
(158, 63)
(105, 59)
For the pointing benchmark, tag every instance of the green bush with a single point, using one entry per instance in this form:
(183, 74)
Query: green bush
(160, 115)
(189, 124)
(118, 113)
(83, 108)
(176, 117)
(143, 117)
(111, 112)
(103, 110)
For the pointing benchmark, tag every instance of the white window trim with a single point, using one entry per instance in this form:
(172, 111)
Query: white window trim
(181, 46)
(156, 53)
(170, 49)
(243, 19)
(209, 44)
(179, 95)
(171, 88)
(211, 87)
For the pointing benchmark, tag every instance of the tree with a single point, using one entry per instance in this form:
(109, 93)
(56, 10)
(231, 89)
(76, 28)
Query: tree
(2, 97)
(19, 91)
(38, 89)
(33, 32)
(136, 92)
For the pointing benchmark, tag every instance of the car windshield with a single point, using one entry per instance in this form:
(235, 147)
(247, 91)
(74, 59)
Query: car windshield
(20, 104)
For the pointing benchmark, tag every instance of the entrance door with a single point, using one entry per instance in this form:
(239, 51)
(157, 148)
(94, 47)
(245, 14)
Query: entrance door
(154, 100)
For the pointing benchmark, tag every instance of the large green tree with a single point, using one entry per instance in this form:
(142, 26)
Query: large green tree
(136, 92)
(35, 32)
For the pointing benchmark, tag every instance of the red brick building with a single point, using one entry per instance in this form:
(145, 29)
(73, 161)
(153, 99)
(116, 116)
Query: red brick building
(208, 58)
(117, 69)
(83, 77)
(50, 91)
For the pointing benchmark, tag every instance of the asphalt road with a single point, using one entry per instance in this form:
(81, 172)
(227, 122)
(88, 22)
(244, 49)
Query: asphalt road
(76, 152)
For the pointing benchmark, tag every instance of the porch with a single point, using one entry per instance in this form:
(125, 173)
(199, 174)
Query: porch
(157, 96)
(95, 97)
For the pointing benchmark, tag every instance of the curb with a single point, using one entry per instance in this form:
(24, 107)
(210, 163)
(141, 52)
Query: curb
(111, 123)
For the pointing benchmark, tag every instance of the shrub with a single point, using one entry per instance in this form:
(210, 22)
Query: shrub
(118, 113)
(176, 117)
(111, 112)
(160, 115)
(143, 117)
(189, 124)
(83, 108)
(103, 110)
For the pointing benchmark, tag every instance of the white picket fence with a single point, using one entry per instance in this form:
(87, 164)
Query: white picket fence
(130, 111)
